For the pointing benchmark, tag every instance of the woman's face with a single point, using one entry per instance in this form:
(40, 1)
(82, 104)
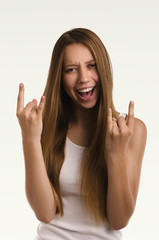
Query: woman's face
(80, 78)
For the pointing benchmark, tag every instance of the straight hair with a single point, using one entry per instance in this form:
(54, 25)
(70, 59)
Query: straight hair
(56, 116)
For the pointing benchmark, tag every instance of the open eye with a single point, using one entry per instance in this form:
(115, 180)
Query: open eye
(92, 65)
(68, 70)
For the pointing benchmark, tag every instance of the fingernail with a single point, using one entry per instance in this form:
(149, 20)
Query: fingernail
(35, 101)
(109, 110)
(132, 102)
(21, 85)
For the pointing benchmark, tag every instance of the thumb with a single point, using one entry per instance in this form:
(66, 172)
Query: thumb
(41, 106)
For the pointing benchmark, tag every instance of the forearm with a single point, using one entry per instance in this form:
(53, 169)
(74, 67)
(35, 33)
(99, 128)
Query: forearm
(120, 200)
(38, 189)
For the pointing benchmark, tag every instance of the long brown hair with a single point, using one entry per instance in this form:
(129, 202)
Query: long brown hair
(56, 118)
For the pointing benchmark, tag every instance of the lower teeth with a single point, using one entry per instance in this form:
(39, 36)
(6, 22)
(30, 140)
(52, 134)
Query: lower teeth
(85, 94)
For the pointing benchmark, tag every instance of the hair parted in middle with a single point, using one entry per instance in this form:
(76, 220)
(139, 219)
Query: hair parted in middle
(56, 117)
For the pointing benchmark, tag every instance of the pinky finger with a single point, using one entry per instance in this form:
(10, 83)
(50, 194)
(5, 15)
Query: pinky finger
(41, 105)
(109, 119)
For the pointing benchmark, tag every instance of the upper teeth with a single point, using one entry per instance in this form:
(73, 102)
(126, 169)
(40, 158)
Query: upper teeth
(85, 90)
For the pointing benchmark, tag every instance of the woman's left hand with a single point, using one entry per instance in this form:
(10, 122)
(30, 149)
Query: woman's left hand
(125, 144)
(119, 132)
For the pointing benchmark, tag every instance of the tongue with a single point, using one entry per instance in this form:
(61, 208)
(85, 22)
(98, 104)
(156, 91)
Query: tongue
(86, 95)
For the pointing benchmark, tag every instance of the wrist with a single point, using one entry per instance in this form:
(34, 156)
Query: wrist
(116, 157)
(31, 140)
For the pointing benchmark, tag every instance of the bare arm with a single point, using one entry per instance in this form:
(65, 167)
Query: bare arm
(38, 188)
(126, 143)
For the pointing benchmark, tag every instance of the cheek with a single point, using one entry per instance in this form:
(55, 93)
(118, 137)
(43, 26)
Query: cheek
(68, 82)
(95, 76)
(65, 83)
(68, 86)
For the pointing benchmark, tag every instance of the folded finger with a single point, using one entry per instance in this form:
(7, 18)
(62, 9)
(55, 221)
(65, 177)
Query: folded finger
(121, 123)
(115, 127)
(29, 108)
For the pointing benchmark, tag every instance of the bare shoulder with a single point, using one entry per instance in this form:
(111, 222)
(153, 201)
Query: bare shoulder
(139, 135)
(139, 127)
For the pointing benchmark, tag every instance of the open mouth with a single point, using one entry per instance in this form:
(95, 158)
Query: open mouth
(86, 93)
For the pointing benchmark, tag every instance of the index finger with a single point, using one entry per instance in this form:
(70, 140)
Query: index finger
(130, 121)
(20, 100)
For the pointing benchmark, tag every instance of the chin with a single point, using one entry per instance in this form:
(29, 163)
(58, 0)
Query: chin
(87, 105)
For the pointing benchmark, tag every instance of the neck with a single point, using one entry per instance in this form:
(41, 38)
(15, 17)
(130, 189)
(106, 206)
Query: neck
(83, 117)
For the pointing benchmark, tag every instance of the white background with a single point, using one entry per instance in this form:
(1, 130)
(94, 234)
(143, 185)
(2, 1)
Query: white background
(28, 31)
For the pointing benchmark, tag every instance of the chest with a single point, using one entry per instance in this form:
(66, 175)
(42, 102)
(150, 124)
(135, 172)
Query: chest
(70, 171)
(79, 135)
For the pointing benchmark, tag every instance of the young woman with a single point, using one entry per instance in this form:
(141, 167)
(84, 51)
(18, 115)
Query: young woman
(82, 158)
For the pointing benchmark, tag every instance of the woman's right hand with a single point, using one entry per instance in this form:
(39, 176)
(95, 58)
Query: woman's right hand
(30, 116)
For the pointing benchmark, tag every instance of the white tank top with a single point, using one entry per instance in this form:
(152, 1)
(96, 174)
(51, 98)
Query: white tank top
(76, 223)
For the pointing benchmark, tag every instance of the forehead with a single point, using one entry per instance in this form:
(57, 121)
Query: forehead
(77, 52)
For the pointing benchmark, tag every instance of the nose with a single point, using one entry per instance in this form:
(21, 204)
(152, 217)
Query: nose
(83, 75)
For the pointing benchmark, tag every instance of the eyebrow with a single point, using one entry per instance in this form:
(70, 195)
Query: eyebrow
(74, 64)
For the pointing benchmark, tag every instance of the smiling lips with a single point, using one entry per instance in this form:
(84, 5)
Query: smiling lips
(86, 93)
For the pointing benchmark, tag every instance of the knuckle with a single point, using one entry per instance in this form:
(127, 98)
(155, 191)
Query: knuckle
(40, 108)
(125, 132)
(115, 134)
(31, 118)
(122, 132)
(129, 132)
(17, 114)
(25, 115)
